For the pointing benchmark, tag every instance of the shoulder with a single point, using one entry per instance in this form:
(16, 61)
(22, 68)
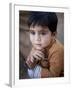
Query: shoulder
(57, 46)
(56, 49)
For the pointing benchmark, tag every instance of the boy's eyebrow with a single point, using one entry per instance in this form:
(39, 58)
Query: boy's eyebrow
(43, 30)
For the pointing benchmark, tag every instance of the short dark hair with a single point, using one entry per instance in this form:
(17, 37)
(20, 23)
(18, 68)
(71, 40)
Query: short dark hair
(48, 19)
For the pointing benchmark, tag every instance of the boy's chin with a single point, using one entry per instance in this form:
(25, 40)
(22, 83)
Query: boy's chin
(38, 48)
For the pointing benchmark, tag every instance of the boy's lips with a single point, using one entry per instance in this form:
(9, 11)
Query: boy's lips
(38, 44)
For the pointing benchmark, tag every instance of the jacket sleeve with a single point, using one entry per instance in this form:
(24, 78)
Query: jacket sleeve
(56, 65)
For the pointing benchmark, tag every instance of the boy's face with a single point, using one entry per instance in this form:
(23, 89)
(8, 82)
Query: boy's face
(40, 37)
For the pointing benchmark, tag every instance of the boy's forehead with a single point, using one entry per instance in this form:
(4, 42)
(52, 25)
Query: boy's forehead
(38, 28)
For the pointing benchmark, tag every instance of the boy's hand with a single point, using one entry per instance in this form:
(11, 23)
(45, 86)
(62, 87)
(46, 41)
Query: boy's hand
(37, 55)
(30, 63)
(34, 57)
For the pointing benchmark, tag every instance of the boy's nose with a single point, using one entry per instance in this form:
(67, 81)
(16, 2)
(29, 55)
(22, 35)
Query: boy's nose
(37, 37)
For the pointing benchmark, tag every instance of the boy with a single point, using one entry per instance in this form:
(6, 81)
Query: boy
(46, 58)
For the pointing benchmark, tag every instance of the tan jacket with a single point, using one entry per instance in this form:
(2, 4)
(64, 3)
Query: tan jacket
(54, 66)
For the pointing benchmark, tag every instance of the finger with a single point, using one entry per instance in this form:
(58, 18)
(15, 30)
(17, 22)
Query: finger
(28, 60)
(32, 59)
(36, 57)
(39, 52)
(39, 55)
(29, 64)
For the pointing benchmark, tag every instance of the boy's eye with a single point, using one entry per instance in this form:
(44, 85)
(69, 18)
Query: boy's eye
(32, 32)
(43, 33)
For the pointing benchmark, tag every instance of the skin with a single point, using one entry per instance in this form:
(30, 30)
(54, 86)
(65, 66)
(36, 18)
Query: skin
(40, 38)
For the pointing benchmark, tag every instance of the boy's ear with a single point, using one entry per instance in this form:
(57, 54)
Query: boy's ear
(54, 33)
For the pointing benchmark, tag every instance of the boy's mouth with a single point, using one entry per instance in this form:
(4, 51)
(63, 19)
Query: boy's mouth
(38, 44)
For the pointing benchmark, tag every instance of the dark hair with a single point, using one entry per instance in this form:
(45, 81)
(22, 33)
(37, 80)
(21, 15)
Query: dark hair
(48, 19)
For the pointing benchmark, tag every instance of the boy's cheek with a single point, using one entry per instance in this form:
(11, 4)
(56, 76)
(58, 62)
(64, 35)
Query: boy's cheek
(31, 38)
